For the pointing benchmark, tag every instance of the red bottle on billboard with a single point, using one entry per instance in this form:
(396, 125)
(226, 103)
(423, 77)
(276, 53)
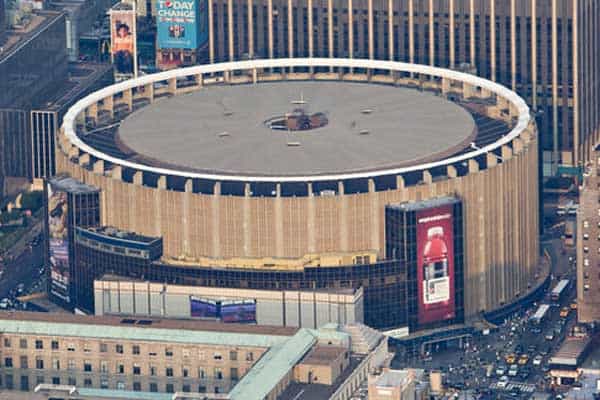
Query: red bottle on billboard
(436, 279)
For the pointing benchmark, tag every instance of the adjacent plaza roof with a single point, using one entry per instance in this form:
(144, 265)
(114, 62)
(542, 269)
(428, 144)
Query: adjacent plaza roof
(221, 129)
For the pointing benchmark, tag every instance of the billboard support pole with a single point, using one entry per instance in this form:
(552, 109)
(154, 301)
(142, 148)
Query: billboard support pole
(135, 53)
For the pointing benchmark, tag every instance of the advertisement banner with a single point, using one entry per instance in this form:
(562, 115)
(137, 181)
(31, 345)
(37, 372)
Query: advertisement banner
(181, 24)
(123, 46)
(435, 263)
(58, 243)
(243, 311)
(203, 308)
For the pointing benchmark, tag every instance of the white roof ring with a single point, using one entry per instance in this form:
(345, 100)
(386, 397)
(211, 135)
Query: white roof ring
(501, 91)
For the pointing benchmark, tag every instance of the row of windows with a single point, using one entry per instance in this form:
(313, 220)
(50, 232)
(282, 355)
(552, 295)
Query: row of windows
(120, 349)
(136, 369)
(136, 386)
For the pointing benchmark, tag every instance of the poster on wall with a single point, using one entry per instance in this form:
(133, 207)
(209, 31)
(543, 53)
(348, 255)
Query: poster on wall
(435, 263)
(181, 24)
(243, 311)
(203, 308)
(58, 243)
(123, 43)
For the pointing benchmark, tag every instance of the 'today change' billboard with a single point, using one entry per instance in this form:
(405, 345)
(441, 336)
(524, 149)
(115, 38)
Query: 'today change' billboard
(182, 24)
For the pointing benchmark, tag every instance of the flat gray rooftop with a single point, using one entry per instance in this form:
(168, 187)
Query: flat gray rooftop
(221, 129)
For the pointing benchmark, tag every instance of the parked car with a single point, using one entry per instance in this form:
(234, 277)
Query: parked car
(537, 360)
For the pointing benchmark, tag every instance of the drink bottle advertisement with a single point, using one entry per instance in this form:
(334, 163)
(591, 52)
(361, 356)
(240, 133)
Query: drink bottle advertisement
(435, 263)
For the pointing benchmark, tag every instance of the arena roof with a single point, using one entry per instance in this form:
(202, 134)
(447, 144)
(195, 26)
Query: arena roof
(221, 129)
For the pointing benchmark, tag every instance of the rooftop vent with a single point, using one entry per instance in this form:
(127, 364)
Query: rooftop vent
(366, 110)
(223, 134)
(364, 132)
(293, 144)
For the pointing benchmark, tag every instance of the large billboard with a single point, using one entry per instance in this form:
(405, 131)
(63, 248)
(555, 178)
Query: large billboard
(181, 24)
(123, 43)
(203, 308)
(58, 243)
(238, 311)
(435, 264)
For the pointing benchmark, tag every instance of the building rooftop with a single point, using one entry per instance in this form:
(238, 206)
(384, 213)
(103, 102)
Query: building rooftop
(225, 129)
(398, 378)
(18, 36)
(323, 355)
(72, 185)
(119, 234)
(571, 351)
(425, 204)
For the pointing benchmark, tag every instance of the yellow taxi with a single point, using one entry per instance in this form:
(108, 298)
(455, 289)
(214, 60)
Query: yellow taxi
(524, 359)
(564, 312)
(510, 358)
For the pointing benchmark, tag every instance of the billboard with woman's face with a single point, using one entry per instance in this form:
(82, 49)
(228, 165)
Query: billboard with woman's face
(122, 34)
(58, 243)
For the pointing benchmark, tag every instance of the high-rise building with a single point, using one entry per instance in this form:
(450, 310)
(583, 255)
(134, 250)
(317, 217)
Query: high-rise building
(2, 19)
(543, 49)
(588, 244)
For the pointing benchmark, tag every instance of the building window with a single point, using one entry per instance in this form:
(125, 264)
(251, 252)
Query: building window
(185, 353)
(169, 388)
(39, 344)
(87, 382)
(23, 362)
(86, 348)
(169, 352)
(23, 343)
(249, 356)
(9, 381)
(153, 387)
(186, 388)
(137, 387)
(104, 384)
(104, 367)
(103, 348)
(201, 355)
(71, 381)
(233, 373)
(169, 371)
(55, 363)
(120, 385)
(55, 380)
(54, 345)
(152, 370)
(201, 373)
(39, 363)
(135, 349)
(136, 369)
(87, 366)
(119, 348)
(71, 347)
(218, 374)
(185, 371)
(8, 362)
(201, 389)
(233, 355)
(6, 342)
(217, 356)
(120, 369)
(71, 365)
(586, 249)
(39, 379)
(24, 383)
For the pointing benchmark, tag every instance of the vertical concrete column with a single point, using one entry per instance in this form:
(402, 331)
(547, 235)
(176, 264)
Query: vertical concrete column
(92, 111)
(246, 219)
(279, 251)
(270, 26)
(187, 215)
(138, 178)
(109, 105)
(310, 29)
(230, 30)
(330, 30)
(117, 173)
(211, 33)
(467, 90)
(254, 75)
(311, 225)
(128, 98)
(370, 28)
(99, 167)
(555, 151)
(518, 146)
(427, 177)
(534, 53)
(575, 51)
(350, 29)
(149, 91)
(473, 166)
(376, 213)
(216, 223)
(173, 86)
(506, 152)
(472, 50)
(391, 31)
(513, 44)
(250, 29)
(451, 33)
(491, 160)
(161, 184)
(411, 31)
(84, 159)
(451, 172)
(200, 80)
(400, 185)
(493, 39)
(343, 217)
(431, 34)
(445, 85)
(290, 18)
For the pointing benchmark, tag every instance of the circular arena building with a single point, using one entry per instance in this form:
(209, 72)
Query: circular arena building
(417, 184)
